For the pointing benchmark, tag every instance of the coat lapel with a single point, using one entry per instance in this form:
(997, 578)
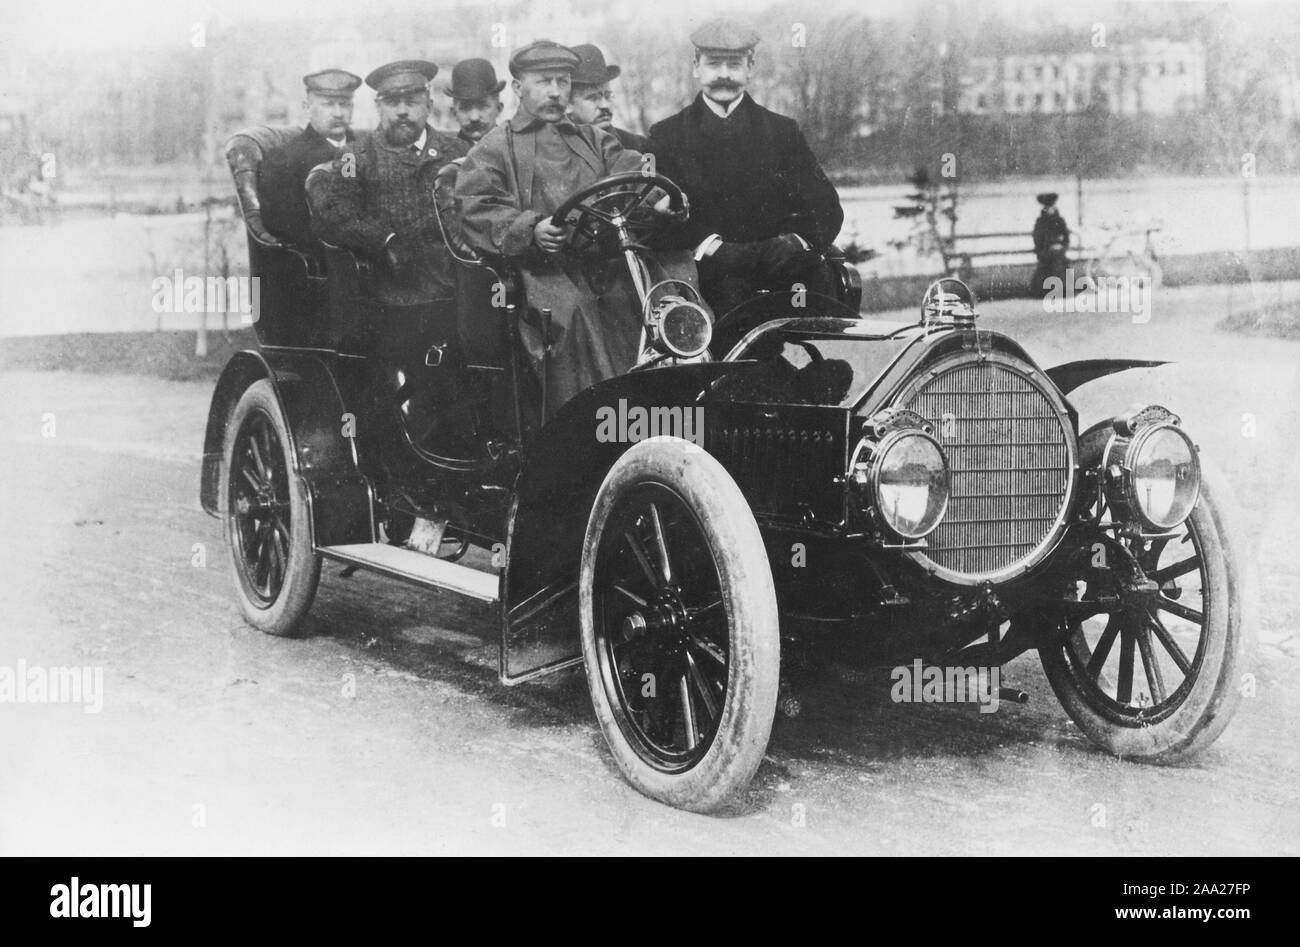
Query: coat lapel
(524, 160)
(578, 144)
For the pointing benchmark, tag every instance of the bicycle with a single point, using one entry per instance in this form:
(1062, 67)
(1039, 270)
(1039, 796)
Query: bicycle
(1120, 259)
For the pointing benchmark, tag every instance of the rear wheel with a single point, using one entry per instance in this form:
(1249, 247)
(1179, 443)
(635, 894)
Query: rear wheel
(680, 633)
(268, 528)
(1158, 678)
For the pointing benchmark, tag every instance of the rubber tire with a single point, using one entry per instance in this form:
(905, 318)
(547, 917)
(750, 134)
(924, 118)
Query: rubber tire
(284, 615)
(754, 638)
(1216, 693)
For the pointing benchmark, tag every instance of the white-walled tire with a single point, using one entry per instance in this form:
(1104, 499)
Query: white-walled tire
(680, 632)
(1159, 683)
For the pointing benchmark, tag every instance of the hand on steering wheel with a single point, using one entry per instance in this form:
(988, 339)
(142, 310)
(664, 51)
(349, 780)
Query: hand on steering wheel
(612, 204)
(548, 237)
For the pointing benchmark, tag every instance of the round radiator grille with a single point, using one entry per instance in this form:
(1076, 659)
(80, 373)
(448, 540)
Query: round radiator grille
(1011, 451)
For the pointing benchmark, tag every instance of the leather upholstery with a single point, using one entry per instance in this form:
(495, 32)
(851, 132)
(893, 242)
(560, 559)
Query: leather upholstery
(244, 152)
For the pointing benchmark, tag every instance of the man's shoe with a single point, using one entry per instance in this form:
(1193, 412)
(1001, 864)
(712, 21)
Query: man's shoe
(426, 535)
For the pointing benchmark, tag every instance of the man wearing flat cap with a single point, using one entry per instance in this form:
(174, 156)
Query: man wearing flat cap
(475, 98)
(509, 187)
(379, 202)
(762, 209)
(328, 103)
(591, 101)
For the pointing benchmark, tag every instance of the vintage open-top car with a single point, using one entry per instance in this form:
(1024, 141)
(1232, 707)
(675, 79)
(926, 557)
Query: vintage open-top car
(784, 470)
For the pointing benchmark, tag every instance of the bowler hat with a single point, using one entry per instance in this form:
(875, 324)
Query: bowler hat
(1048, 199)
(405, 75)
(542, 54)
(474, 79)
(591, 66)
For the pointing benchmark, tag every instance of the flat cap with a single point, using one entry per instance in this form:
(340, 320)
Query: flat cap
(474, 79)
(337, 82)
(1048, 199)
(542, 54)
(591, 66)
(405, 75)
(725, 35)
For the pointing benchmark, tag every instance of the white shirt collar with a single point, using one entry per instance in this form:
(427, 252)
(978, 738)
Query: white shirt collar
(419, 142)
(721, 112)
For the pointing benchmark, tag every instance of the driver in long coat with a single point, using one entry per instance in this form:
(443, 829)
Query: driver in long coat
(511, 183)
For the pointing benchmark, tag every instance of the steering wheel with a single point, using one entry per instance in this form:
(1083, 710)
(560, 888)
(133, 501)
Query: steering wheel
(603, 206)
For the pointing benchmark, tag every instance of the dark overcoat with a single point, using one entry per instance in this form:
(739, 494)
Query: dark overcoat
(1051, 238)
(749, 176)
(376, 190)
(280, 184)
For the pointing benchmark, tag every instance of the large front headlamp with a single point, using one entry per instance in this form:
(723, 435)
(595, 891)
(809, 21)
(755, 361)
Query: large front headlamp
(905, 475)
(680, 328)
(1154, 473)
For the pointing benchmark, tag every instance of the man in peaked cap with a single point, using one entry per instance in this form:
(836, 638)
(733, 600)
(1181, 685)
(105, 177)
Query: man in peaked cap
(475, 98)
(380, 197)
(328, 104)
(511, 184)
(1051, 239)
(762, 209)
(380, 204)
(591, 101)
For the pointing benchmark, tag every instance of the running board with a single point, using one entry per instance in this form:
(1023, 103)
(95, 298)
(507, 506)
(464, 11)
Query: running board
(411, 566)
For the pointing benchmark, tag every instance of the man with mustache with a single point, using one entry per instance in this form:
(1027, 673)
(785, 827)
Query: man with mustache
(591, 101)
(475, 98)
(511, 184)
(380, 204)
(328, 103)
(762, 209)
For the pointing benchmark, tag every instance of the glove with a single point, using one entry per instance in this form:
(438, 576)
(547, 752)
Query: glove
(784, 258)
(402, 256)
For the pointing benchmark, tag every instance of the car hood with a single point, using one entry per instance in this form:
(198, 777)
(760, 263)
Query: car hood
(813, 361)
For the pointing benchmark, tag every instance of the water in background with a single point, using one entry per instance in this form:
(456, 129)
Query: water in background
(94, 274)
(1196, 215)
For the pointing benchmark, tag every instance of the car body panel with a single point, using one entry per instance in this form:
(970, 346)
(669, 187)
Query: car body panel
(1071, 375)
(322, 439)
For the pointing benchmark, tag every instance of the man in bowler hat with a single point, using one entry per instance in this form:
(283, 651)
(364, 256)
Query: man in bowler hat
(591, 101)
(475, 98)
(328, 103)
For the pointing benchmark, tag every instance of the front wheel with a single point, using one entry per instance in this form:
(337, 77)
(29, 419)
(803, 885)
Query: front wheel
(268, 528)
(1157, 680)
(680, 634)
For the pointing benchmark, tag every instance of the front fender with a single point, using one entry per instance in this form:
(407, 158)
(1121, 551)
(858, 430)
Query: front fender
(1072, 375)
(555, 490)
